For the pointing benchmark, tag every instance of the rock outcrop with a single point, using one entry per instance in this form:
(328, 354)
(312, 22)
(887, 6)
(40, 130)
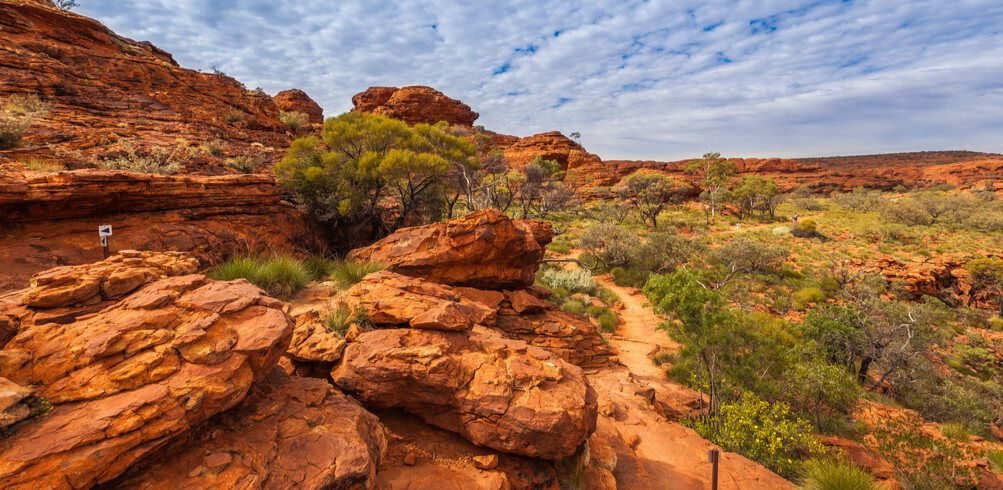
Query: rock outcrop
(104, 90)
(296, 100)
(391, 299)
(484, 249)
(52, 219)
(289, 432)
(413, 105)
(496, 392)
(549, 146)
(131, 377)
(14, 403)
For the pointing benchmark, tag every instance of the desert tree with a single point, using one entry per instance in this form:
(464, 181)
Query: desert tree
(715, 173)
(648, 193)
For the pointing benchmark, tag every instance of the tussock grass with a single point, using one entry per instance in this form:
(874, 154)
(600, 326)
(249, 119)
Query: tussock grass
(835, 475)
(280, 276)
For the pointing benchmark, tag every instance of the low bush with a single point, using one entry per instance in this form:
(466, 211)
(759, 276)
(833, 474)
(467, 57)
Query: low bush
(574, 281)
(279, 276)
(43, 166)
(765, 432)
(574, 305)
(807, 296)
(607, 321)
(609, 245)
(629, 277)
(342, 317)
(154, 160)
(295, 121)
(17, 114)
(835, 475)
(349, 272)
(246, 164)
(607, 296)
(996, 460)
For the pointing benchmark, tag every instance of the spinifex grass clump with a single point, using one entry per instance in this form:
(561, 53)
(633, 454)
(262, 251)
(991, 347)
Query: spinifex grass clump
(279, 276)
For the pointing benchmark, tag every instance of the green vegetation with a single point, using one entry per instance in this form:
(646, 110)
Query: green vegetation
(43, 166)
(349, 272)
(371, 167)
(649, 193)
(570, 281)
(279, 276)
(295, 121)
(822, 474)
(17, 114)
(246, 164)
(765, 432)
(715, 174)
(341, 318)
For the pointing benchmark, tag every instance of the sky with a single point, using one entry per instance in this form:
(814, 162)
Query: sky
(659, 80)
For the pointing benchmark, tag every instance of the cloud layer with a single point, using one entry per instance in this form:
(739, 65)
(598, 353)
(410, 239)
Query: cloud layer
(639, 79)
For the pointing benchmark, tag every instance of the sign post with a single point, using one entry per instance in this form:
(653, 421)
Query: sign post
(715, 456)
(104, 231)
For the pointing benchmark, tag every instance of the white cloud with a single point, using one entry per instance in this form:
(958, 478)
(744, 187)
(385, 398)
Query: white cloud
(640, 79)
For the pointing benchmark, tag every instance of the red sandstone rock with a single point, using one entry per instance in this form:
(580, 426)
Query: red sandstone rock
(313, 342)
(572, 337)
(413, 105)
(485, 249)
(493, 391)
(397, 300)
(296, 100)
(549, 146)
(289, 432)
(131, 377)
(13, 403)
(54, 217)
(103, 89)
(861, 457)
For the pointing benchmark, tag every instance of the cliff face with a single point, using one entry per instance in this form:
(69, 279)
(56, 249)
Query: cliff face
(52, 219)
(104, 90)
(413, 105)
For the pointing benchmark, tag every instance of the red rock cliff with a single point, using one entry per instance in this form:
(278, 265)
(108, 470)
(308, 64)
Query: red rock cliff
(416, 104)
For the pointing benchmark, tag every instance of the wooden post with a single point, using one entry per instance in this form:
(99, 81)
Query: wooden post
(715, 456)
(104, 246)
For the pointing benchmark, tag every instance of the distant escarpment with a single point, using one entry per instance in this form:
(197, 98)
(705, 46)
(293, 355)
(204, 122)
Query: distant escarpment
(106, 93)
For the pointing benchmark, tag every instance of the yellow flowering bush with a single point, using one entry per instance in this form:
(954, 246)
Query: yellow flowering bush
(764, 432)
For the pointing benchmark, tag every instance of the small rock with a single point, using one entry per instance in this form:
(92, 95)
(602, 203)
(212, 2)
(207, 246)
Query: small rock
(486, 462)
(410, 459)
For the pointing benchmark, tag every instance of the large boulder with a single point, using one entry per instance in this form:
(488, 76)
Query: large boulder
(290, 432)
(484, 249)
(495, 392)
(391, 299)
(413, 105)
(126, 380)
(296, 100)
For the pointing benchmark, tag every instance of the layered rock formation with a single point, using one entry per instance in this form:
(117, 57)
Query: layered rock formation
(52, 219)
(103, 90)
(394, 300)
(413, 105)
(289, 432)
(159, 357)
(484, 249)
(495, 392)
(296, 100)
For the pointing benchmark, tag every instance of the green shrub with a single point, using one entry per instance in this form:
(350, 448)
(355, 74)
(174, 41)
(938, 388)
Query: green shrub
(318, 267)
(342, 317)
(349, 272)
(295, 121)
(996, 460)
(608, 321)
(609, 245)
(17, 114)
(808, 296)
(575, 280)
(608, 296)
(835, 475)
(955, 430)
(629, 277)
(234, 117)
(995, 323)
(279, 276)
(764, 432)
(574, 305)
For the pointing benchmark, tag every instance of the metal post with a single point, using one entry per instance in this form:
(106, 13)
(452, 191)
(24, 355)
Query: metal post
(715, 456)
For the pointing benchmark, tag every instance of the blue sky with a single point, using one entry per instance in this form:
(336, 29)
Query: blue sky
(639, 79)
